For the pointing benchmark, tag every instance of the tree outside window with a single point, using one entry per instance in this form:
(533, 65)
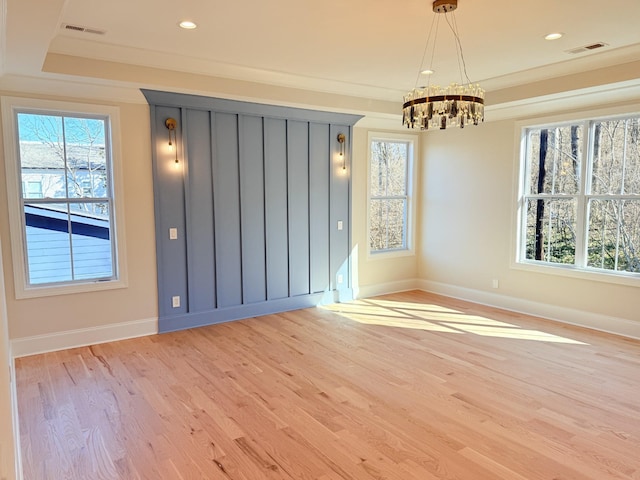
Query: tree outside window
(389, 182)
(581, 201)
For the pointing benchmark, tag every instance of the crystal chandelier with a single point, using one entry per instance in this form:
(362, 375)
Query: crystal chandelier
(433, 106)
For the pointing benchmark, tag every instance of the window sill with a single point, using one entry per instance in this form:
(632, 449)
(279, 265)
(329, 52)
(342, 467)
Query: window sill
(384, 255)
(50, 291)
(632, 280)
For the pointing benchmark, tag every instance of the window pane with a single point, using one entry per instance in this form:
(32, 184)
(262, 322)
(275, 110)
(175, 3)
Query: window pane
(86, 157)
(551, 230)
(554, 157)
(614, 235)
(32, 189)
(388, 168)
(90, 228)
(41, 155)
(608, 157)
(378, 178)
(387, 224)
(48, 246)
(630, 237)
(632, 161)
(46, 141)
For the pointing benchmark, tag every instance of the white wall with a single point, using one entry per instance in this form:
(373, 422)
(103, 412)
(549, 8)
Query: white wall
(467, 190)
(467, 233)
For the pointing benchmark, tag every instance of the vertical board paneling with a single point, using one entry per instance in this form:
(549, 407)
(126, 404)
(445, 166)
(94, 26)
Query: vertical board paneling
(172, 264)
(275, 179)
(298, 198)
(339, 246)
(255, 199)
(319, 174)
(200, 251)
(227, 210)
(254, 280)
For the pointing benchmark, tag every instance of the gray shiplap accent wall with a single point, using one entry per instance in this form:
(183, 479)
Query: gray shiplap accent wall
(256, 200)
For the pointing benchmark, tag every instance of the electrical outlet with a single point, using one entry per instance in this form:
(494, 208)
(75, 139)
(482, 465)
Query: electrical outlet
(495, 283)
(173, 234)
(340, 224)
(175, 301)
(340, 279)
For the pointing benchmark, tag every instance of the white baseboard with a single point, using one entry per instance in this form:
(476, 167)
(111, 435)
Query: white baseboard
(365, 291)
(22, 347)
(603, 323)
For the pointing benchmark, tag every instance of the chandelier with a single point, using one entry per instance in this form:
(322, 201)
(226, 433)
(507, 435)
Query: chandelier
(433, 106)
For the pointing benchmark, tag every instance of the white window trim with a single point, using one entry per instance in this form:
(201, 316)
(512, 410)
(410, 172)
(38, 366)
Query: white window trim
(569, 271)
(411, 189)
(16, 219)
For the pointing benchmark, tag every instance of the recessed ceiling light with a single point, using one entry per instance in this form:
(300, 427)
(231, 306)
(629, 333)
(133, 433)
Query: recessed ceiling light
(554, 36)
(187, 25)
(427, 72)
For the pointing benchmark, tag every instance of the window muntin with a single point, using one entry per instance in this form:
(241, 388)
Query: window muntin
(390, 163)
(63, 179)
(581, 206)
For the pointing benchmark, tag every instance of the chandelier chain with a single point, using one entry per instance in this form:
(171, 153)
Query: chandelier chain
(433, 50)
(454, 29)
(424, 53)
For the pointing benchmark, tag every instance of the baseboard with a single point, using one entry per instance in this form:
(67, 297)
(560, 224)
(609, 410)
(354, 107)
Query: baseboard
(365, 291)
(239, 312)
(22, 347)
(594, 321)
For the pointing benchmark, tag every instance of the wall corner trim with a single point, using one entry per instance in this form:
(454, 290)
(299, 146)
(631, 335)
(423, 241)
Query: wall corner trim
(25, 346)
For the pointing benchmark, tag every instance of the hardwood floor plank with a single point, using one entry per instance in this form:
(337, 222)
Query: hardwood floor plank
(406, 386)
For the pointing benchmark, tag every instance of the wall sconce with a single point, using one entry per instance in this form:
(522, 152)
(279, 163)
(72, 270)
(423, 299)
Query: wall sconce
(171, 125)
(341, 140)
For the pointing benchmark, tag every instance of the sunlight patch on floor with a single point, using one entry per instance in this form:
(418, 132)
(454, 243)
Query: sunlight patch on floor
(406, 322)
(435, 318)
(422, 307)
(362, 308)
(457, 318)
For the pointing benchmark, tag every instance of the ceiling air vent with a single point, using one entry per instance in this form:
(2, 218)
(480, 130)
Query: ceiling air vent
(587, 48)
(81, 29)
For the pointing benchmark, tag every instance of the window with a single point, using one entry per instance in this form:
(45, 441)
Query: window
(580, 201)
(61, 186)
(31, 189)
(390, 177)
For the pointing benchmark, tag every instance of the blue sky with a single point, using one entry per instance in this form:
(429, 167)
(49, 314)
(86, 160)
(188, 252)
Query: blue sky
(34, 127)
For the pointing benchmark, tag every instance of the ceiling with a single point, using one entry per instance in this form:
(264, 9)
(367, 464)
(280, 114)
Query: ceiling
(364, 49)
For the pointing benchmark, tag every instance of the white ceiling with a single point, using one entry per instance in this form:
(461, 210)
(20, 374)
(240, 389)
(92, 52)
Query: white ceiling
(361, 48)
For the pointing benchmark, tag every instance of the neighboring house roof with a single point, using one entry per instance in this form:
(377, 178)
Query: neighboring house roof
(40, 155)
(50, 218)
(51, 258)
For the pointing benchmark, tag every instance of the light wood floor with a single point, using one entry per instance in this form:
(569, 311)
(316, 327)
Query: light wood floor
(407, 386)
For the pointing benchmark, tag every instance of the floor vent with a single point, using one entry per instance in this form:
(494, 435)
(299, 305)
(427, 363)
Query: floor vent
(81, 29)
(587, 48)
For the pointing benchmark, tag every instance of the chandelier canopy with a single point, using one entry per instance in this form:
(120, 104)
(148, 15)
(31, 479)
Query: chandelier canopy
(433, 106)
